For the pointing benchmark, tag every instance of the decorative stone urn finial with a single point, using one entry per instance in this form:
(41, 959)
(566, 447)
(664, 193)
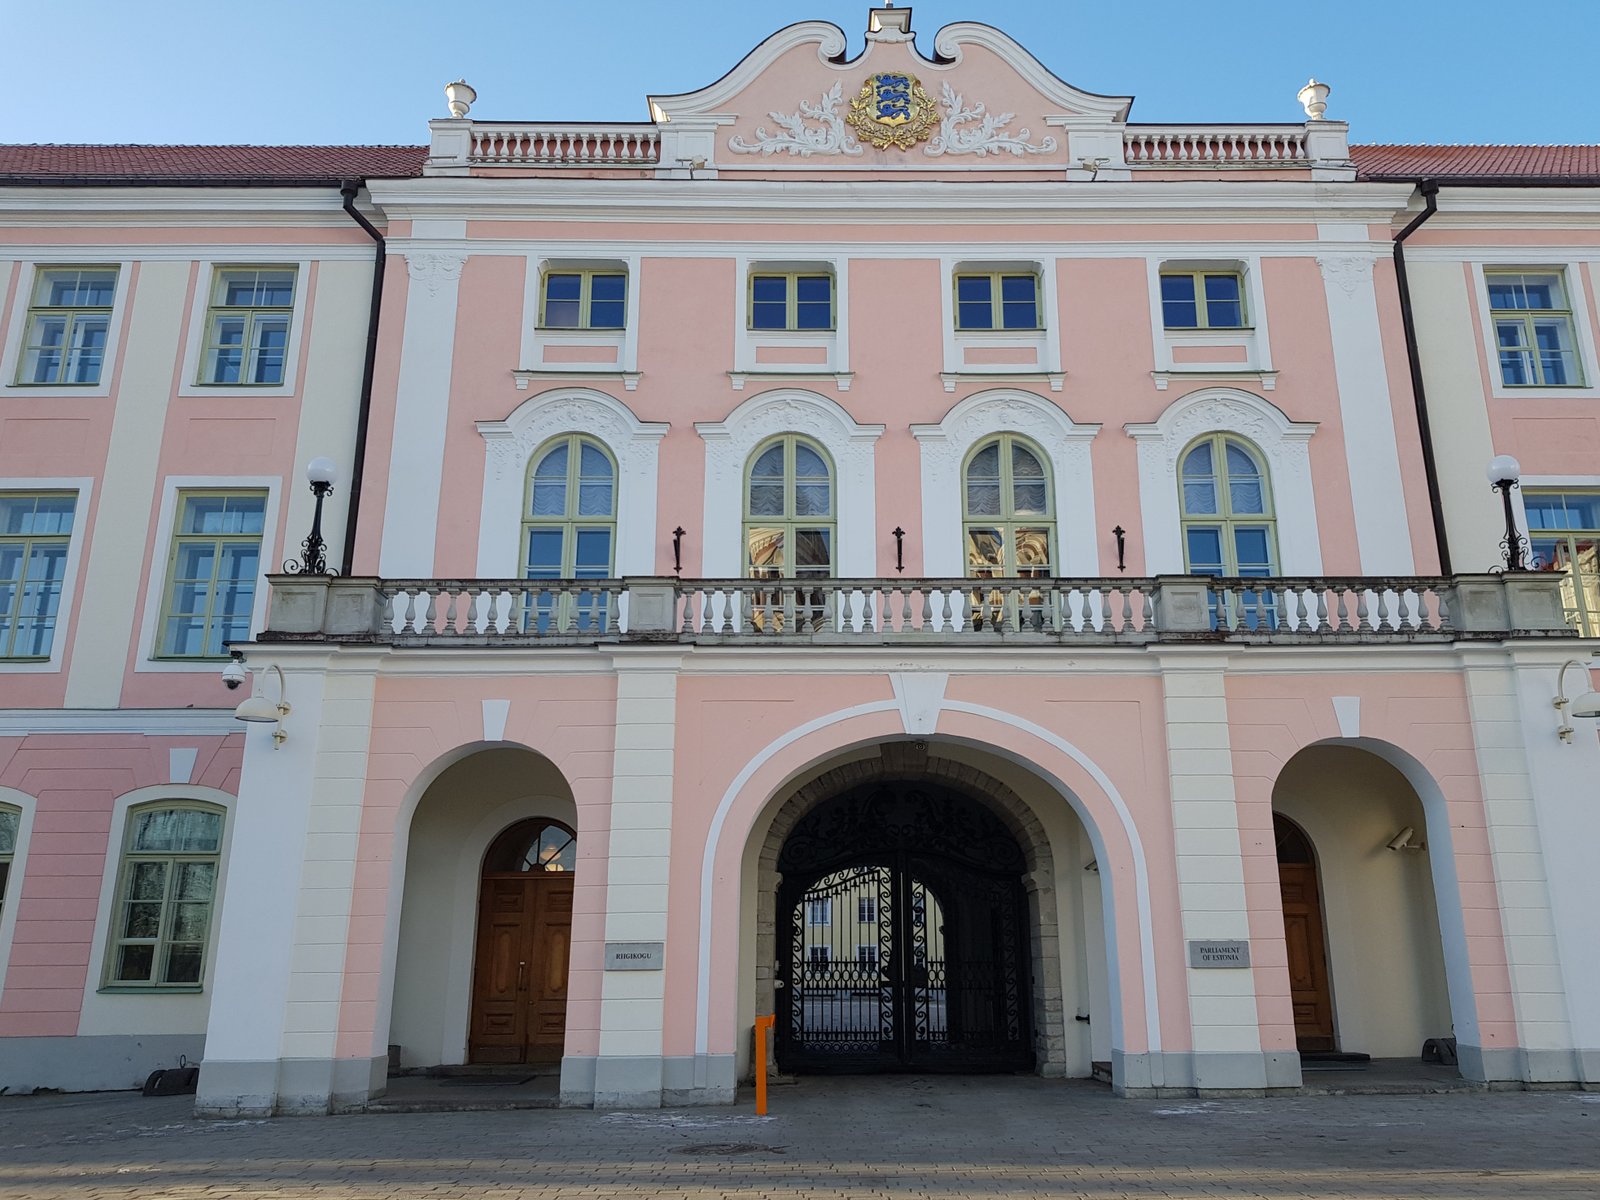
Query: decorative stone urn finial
(1314, 96)
(460, 94)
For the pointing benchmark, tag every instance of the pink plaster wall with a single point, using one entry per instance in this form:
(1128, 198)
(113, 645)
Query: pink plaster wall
(76, 780)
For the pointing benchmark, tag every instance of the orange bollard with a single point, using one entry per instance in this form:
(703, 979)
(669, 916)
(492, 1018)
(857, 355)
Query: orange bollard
(762, 1025)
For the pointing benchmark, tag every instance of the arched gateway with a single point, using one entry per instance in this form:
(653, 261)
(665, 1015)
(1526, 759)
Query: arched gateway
(903, 935)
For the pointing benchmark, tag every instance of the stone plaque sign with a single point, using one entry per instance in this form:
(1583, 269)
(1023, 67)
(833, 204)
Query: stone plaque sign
(1211, 956)
(635, 956)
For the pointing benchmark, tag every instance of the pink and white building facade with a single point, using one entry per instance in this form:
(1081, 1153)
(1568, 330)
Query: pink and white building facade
(886, 542)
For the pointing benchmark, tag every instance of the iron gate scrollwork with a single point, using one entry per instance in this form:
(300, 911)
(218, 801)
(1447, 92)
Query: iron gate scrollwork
(904, 936)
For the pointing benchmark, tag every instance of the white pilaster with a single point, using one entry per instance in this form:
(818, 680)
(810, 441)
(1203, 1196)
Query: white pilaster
(1211, 891)
(1382, 536)
(1512, 816)
(422, 400)
(628, 1072)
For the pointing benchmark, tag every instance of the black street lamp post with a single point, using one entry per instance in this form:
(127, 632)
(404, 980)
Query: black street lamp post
(1504, 474)
(321, 473)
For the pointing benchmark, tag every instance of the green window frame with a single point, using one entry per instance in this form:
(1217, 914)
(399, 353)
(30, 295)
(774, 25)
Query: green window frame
(1008, 510)
(35, 541)
(790, 528)
(796, 301)
(247, 326)
(569, 526)
(1229, 527)
(574, 298)
(69, 325)
(1564, 531)
(165, 897)
(1531, 313)
(10, 825)
(1203, 300)
(213, 569)
(998, 301)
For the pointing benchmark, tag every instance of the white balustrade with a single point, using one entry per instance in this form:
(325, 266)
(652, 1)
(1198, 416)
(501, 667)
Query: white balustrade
(1352, 608)
(1216, 147)
(526, 145)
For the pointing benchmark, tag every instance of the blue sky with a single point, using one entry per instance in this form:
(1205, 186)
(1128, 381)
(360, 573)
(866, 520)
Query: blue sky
(356, 71)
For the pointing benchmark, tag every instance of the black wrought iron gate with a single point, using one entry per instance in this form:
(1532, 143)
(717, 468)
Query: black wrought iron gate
(903, 936)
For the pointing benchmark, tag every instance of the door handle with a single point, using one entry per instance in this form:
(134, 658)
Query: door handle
(522, 970)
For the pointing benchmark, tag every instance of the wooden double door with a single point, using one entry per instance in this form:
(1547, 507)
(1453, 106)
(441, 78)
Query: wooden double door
(519, 990)
(1309, 990)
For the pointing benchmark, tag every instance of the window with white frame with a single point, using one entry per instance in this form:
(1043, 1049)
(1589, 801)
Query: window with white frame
(1564, 529)
(789, 513)
(583, 299)
(867, 910)
(10, 823)
(1008, 521)
(819, 956)
(69, 324)
(167, 887)
(569, 528)
(247, 327)
(212, 569)
(1228, 525)
(35, 535)
(867, 956)
(791, 300)
(998, 300)
(819, 912)
(1202, 299)
(1533, 332)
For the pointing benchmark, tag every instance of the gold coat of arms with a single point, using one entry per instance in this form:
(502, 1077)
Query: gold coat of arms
(892, 110)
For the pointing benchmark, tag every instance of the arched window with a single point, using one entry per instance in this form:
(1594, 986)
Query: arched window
(536, 844)
(10, 820)
(569, 528)
(789, 512)
(159, 928)
(1008, 519)
(1228, 528)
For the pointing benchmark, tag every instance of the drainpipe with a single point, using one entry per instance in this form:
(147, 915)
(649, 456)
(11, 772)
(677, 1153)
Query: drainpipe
(1429, 190)
(348, 190)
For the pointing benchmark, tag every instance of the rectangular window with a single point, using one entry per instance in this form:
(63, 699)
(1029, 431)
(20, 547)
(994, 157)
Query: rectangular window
(35, 533)
(1202, 300)
(68, 324)
(169, 882)
(819, 912)
(819, 956)
(867, 956)
(1533, 329)
(1564, 528)
(997, 300)
(866, 910)
(211, 573)
(791, 301)
(584, 300)
(247, 326)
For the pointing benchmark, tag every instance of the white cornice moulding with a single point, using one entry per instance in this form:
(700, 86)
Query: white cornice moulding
(157, 722)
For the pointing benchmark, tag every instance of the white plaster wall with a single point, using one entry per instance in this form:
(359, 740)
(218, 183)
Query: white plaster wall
(105, 620)
(461, 813)
(1385, 957)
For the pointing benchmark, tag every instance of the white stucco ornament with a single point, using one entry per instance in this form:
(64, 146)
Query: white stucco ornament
(798, 138)
(977, 131)
(460, 96)
(1314, 97)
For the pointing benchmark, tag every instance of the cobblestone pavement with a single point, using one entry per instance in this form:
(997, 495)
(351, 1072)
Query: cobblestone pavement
(881, 1137)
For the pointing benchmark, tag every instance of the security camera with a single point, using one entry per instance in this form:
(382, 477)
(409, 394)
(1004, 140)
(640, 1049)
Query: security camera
(234, 673)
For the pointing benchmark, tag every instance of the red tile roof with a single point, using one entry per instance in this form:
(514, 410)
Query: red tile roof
(1484, 163)
(187, 164)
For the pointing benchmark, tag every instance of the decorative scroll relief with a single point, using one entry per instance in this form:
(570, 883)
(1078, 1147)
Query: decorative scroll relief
(802, 140)
(892, 111)
(1347, 271)
(977, 131)
(434, 271)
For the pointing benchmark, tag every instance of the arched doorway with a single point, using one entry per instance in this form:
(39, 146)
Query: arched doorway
(1304, 937)
(903, 935)
(523, 945)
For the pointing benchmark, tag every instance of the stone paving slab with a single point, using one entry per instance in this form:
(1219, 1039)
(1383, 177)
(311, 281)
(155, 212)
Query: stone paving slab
(895, 1138)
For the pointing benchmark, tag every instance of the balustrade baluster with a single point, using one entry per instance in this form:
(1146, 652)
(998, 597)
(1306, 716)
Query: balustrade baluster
(1362, 614)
